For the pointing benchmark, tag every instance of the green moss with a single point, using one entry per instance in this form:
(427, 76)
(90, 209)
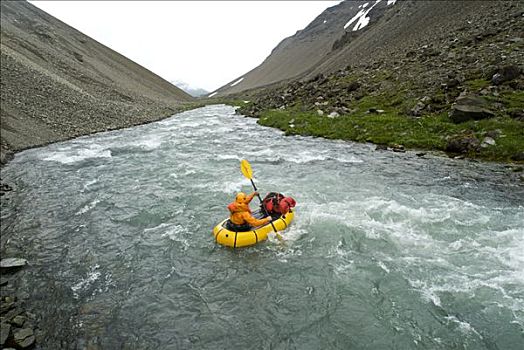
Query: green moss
(429, 132)
(476, 84)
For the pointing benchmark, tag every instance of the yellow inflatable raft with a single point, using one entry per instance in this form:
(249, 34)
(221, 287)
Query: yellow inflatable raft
(246, 238)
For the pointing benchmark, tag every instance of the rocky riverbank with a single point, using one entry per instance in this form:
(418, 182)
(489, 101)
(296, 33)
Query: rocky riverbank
(17, 326)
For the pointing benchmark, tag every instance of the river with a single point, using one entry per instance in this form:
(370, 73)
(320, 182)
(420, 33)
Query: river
(387, 250)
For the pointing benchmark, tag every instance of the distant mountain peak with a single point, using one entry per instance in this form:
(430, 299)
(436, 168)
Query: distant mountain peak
(194, 91)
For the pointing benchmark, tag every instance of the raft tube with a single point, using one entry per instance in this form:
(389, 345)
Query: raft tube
(234, 239)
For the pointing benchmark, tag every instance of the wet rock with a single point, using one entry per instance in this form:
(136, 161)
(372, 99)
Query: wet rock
(9, 316)
(421, 154)
(24, 338)
(5, 188)
(18, 321)
(463, 143)
(506, 73)
(5, 329)
(519, 157)
(398, 148)
(5, 306)
(381, 148)
(12, 263)
(469, 108)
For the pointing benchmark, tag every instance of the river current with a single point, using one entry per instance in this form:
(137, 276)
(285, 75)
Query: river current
(387, 250)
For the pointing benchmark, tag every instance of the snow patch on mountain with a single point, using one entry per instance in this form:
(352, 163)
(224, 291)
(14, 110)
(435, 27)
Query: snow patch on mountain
(236, 82)
(361, 18)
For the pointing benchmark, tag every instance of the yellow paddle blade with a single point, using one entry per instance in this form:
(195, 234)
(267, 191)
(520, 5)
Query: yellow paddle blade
(245, 167)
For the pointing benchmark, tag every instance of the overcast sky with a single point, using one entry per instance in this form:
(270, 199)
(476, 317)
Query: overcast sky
(204, 43)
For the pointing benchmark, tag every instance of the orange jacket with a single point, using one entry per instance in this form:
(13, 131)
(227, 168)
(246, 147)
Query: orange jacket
(241, 213)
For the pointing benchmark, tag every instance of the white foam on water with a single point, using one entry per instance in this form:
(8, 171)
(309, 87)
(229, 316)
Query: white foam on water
(428, 293)
(383, 266)
(464, 327)
(342, 255)
(88, 207)
(262, 152)
(313, 156)
(462, 245)
(284, 255)
(293, 233)
(508, 248)
(85, 283)
(228, 157)
(176, 233)
(230, 187)
(159, 227)
(69, 155)
(88, 184)
(150, 143)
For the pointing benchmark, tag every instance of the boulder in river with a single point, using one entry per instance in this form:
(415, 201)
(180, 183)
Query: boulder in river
(24, 338)
(11, 263)
(5, 328)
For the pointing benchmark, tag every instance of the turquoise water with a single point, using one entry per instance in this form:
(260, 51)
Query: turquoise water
(387, 250)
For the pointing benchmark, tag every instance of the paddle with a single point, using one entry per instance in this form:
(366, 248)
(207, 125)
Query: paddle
(245, 167)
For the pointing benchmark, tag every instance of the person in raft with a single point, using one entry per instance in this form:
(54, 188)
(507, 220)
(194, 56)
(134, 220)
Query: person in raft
(241, 217)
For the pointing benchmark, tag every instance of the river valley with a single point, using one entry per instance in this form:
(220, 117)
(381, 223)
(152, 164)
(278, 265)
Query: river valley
(387, 250)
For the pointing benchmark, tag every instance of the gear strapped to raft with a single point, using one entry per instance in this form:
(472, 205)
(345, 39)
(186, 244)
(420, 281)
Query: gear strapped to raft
(276, 204)
(271, 202)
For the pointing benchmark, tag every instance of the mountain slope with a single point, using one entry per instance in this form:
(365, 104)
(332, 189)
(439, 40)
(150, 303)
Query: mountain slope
(58, 83)
(409, 25)
(440, 75)
(299, 53)
(330, 43)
